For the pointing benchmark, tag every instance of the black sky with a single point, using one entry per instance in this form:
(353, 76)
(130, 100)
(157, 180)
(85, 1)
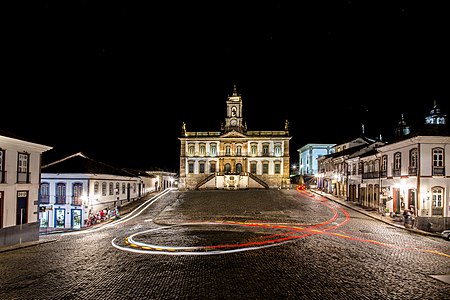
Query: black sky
(116, 79)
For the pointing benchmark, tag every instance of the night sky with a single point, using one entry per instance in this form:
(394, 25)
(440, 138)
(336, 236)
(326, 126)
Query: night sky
(116, 79)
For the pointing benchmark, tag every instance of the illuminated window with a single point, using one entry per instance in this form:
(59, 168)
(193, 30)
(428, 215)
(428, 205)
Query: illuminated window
(437, 196)
(213, 149)
(438, 157)
(397, 161)
(277, 149)
(202, 149)
(191, 149)
(413, 158)
(254, 149)
(384, 163)
(227, 150)
(239, 150)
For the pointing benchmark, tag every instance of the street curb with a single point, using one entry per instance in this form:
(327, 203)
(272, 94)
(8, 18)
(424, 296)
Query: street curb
(421, 232)
(25, 245)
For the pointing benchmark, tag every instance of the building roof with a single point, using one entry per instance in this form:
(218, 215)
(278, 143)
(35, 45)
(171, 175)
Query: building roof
(344, 152)
(11, 135)
(425, 130)
(81, 164)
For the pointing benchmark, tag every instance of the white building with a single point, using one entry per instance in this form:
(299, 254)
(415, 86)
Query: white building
(76, 188)
(308, 155)
(409, 173)
(20, 173)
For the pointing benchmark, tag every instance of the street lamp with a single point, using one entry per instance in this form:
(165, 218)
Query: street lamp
(294, 168)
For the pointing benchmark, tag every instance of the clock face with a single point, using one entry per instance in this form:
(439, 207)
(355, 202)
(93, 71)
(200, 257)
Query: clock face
(233, 122)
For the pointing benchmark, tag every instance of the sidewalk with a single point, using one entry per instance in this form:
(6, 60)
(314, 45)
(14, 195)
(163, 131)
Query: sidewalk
(372, 213)
(123, 210)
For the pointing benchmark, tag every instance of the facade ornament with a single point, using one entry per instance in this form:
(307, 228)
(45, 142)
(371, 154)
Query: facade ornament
(183, 129)
(286, 125)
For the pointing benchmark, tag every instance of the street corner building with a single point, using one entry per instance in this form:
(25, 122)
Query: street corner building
(20, 174)
(234, 157)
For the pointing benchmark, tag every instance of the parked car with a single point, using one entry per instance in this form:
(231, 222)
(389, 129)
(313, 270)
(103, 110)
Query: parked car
(446, 234)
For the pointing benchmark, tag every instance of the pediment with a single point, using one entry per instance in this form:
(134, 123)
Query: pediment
(233, 134)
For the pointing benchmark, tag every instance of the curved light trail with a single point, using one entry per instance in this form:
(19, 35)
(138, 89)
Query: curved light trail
(286, 233)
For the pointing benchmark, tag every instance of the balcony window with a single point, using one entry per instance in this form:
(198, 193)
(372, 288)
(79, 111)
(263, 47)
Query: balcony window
(45, 193)
(437, 194)
(96, 188)
(103, 188)
(438, 162)
(22, 168)
(77, 192)
(2, 166)
(60, 193)
(111, 188)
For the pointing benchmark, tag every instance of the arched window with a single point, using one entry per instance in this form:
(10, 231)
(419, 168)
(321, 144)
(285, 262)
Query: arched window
(96, 188)
(238, 168)
(227, 168)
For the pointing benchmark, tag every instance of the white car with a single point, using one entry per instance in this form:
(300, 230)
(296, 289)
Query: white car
(446, 234)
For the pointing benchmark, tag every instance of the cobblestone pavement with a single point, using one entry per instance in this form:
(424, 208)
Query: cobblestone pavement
(249, 244)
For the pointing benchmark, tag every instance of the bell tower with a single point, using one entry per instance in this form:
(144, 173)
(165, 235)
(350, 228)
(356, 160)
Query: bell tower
(234, 120)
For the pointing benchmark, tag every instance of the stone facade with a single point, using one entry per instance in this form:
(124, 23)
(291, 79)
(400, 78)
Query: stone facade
(234, 158)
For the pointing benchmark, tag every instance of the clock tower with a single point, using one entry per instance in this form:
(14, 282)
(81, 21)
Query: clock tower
(234, 120)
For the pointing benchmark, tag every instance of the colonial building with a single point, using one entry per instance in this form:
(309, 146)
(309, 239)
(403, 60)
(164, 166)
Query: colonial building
(77, 188)
(308, 155)
(409, 173)
(234, 157)
(20, 174)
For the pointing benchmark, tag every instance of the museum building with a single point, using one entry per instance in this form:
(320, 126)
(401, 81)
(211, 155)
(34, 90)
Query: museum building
(234, 158)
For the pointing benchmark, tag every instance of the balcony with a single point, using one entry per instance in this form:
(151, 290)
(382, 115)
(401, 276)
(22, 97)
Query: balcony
(438, 171)
(44, 199)
(2, 176)
(412, 171)
(23, 177)
(396, 172)
(60, 199)
(77, 201)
